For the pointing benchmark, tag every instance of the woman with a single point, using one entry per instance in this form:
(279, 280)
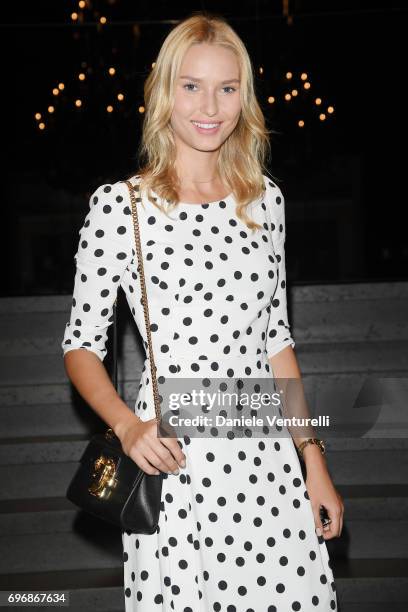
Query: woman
(237, 523)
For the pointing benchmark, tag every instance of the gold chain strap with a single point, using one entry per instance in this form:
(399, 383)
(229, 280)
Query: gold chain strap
(133, 199)
(140, 269)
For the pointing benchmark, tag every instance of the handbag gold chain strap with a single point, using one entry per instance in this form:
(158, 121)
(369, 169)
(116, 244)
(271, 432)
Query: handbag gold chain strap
(140, 269)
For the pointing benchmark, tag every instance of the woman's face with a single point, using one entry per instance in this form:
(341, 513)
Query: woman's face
(206, 91)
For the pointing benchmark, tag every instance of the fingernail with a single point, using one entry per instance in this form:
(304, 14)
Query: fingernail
(183, 463)
(318, 531)
(176, 472)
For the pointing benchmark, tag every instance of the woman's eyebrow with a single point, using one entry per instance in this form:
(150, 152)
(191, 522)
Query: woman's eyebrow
(195, 79)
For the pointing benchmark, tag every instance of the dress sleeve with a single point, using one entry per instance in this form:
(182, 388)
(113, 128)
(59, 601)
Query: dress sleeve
(103, 254)
(278, 334)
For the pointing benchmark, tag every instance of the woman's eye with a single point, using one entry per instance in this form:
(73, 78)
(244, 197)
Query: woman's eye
(187, 85)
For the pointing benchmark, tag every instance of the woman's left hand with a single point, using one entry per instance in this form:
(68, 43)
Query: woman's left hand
(322, 492)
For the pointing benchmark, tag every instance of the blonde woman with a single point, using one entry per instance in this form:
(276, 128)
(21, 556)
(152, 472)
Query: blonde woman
(238, 528)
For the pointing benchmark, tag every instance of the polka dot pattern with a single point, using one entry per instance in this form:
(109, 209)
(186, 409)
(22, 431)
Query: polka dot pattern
(236, 529)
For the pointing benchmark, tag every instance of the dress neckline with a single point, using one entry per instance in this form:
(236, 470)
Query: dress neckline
(206, 205)
(201, 206)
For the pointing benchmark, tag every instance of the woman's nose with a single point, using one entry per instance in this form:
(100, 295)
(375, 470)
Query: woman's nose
(209, 104)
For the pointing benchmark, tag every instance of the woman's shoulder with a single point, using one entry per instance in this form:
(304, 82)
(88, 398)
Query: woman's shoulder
(112, 198)
(109, 191)
(272, 188)
(109, 206)
(275, 202)
(106, 231)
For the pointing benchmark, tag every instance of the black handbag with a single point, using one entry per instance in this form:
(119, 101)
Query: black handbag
(109, 484)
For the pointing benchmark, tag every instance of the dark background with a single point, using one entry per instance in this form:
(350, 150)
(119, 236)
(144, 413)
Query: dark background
(343, 178)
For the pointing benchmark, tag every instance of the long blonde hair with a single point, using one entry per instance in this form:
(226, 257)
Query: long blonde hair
(241, 160)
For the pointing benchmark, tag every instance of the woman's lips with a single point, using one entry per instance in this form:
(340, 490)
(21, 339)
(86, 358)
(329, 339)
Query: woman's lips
(202, 130)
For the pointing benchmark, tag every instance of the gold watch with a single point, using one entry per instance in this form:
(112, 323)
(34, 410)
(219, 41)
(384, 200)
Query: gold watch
(316, 441)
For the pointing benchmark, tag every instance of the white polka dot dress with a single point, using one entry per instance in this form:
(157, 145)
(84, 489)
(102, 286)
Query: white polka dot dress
(236, 531)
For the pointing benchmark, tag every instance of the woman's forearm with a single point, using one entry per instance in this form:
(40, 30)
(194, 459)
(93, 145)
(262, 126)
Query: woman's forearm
(285, 366)
(90, 378)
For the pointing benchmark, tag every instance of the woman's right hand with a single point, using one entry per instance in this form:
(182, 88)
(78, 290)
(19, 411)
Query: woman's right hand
(152, 454)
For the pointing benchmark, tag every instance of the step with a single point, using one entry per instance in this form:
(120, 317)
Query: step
(375, 522)
(34, 481)
(372, 607)
(52, 479)
(39, 420)
(68, 448)
(43, 467)
(90, 590)
(374, 357)
(349, 311)
(37, 516)
(49, 393)
(362, 585)
(369, 467)
(375, 502)
(377, 581)
(367, 539)
(338, 396)
(333, 389)
(319, 313)
(90, 545)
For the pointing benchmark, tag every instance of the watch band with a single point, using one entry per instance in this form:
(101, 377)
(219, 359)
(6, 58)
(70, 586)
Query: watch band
(316, 441)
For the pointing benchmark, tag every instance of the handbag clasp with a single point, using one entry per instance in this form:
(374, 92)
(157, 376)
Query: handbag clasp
(103, 475)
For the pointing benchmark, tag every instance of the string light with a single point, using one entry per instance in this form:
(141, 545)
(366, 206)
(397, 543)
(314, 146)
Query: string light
(294, 92)
(82, 76)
